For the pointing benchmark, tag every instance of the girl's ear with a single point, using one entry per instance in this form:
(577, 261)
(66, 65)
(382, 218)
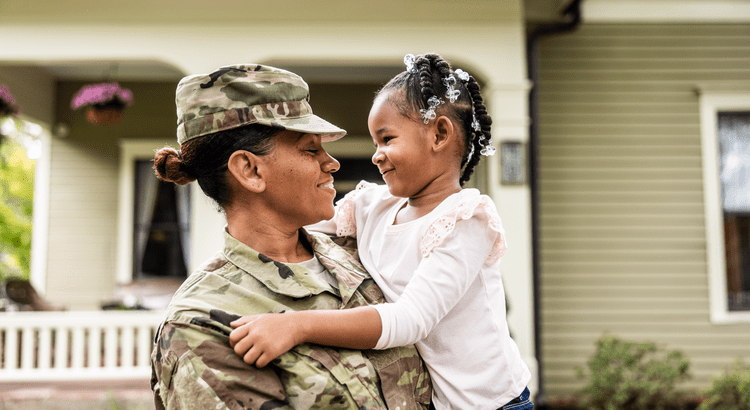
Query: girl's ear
(246, 168)
(445, 133)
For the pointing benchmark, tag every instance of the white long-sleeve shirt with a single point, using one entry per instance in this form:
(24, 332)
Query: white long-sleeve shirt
(441, 275)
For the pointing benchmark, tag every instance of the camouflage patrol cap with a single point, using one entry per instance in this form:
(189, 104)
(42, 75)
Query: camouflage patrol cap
(244, 94)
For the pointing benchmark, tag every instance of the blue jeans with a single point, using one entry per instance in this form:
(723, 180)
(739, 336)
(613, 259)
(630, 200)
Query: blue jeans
(522, 402)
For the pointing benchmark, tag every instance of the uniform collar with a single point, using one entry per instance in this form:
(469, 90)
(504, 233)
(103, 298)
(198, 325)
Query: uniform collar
(294, 280)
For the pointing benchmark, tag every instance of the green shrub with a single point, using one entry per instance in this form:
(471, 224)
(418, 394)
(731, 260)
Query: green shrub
(16, 205)
(626, 375)
(730, 392)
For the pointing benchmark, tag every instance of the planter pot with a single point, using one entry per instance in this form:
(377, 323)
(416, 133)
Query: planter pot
(104, 116)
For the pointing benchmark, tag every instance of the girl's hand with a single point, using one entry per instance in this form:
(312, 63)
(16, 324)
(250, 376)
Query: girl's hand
(259, 339)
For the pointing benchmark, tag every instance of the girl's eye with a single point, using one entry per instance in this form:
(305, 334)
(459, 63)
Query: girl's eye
(384, 140)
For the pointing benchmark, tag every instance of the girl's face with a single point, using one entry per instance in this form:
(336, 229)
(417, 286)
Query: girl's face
(402, 148)
(300, 184)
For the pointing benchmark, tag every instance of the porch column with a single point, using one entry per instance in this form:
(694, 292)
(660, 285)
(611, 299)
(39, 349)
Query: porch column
(507, 104)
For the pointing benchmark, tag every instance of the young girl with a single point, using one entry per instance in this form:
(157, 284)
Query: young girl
(433, 248)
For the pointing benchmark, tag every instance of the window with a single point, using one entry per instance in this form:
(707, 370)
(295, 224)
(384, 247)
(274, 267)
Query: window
(161, 229)
(734, 176)
(154, 222)
(725, 130)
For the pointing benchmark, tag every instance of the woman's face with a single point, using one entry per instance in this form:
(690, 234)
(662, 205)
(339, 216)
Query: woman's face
(300, 184)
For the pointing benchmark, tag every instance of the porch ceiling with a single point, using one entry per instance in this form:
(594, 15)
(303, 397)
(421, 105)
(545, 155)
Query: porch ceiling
(200, 11)
(122, 14)
(122, 70)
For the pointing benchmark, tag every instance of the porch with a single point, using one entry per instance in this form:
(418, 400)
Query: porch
(76, 345)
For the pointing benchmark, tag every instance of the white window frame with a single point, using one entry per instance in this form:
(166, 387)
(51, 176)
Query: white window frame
(716, 98)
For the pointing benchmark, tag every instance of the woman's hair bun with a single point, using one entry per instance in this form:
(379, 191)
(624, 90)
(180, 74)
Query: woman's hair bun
(169, 167)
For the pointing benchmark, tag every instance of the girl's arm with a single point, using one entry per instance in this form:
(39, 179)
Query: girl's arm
(438, 284)
(258, 339)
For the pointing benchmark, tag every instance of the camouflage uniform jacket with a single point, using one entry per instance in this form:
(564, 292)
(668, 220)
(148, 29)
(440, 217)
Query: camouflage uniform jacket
(193, 366)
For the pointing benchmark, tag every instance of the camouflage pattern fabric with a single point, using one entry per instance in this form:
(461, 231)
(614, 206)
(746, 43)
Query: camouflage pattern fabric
(193, 366)
(239, 95)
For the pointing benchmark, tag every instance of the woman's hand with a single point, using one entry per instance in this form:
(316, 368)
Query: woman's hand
(259, 339)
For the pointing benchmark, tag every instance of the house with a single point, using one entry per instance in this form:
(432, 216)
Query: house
(642, 227)
(614, 217)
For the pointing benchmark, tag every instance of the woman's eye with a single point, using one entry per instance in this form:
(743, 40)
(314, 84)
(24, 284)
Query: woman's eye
(387, 139)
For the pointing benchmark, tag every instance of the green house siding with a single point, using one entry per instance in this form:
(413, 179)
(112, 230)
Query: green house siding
(622, 226)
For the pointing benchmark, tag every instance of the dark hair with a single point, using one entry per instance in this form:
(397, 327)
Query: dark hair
(428, 82)
(205, 158)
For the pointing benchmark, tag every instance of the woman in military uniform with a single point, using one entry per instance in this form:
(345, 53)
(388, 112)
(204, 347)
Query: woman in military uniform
(247, 134)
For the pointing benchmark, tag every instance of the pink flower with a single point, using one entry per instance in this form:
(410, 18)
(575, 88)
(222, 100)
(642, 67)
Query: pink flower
(102, 94)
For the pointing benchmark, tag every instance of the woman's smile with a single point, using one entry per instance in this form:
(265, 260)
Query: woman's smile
(328, 186)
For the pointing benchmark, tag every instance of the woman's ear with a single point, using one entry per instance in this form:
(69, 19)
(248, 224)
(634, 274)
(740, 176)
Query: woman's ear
(445, 133)
(246, 169)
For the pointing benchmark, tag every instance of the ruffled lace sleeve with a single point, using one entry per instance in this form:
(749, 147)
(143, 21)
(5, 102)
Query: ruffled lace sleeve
(346, 224)
(443, 226)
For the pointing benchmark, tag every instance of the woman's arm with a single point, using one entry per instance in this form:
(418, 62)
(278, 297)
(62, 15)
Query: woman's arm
(259, 339)
(192, 358)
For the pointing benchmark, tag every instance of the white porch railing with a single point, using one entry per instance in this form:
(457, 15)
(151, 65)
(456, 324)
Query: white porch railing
(76, 345)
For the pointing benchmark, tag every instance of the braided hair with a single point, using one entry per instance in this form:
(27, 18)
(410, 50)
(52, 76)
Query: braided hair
(205, 159)
(427, 81)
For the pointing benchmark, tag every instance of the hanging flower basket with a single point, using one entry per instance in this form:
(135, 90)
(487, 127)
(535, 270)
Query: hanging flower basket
(8, 105)
(104, 116)
(105, 102)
